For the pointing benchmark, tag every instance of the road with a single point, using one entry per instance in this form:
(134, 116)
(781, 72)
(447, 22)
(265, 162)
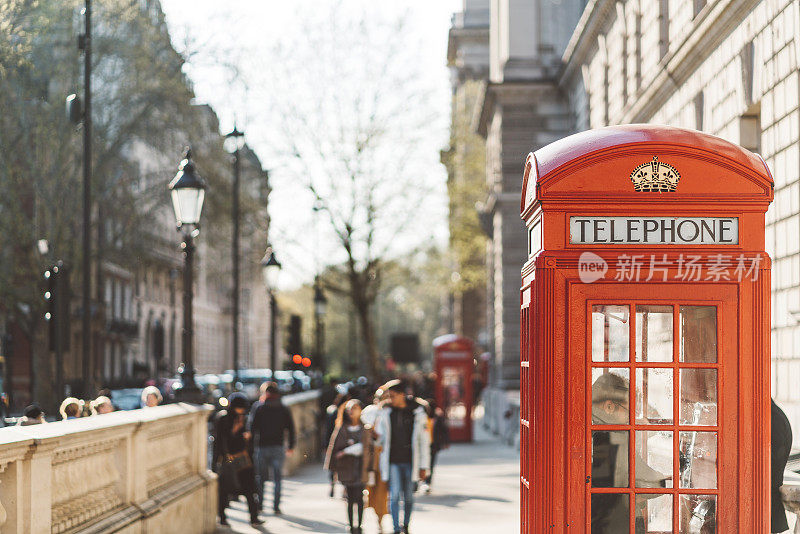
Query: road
(476, 489)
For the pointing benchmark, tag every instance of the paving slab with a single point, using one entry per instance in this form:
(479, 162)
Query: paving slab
(475, 490)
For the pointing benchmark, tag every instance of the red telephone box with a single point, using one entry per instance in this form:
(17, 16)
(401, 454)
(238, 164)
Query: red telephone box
(454, 364)
(645, 361)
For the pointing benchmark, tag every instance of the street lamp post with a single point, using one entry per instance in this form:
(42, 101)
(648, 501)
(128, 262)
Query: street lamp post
(234, 142)
(271, 268)
(86, 353)
(188, 193)
(320, 308)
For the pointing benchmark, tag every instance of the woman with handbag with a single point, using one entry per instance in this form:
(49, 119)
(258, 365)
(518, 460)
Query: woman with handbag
(232, 458)
(348, 455)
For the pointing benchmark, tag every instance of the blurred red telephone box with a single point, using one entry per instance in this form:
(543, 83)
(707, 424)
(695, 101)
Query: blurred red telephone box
(454, 364)
(645, 360)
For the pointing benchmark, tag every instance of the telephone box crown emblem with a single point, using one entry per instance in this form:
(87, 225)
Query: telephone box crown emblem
(655, 176)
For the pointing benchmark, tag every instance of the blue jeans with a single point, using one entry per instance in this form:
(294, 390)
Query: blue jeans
(266, 459)
(400, 480)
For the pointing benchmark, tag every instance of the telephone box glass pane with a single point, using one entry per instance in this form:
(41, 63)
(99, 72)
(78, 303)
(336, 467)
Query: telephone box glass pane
(455, 408)
(698, 514)
(610, 513)
(698, 460)
(699, 397)
(698, 334)
(610, 396)
(653, 513)
(610, 340)
(653, 456)
(654, 396)
(653, 333)
(609, 459)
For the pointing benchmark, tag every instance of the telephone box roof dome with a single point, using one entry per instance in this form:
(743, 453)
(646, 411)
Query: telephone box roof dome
(628, 142)
(453, 340)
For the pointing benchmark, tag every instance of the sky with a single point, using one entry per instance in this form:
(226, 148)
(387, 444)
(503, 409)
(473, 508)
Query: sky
(243, 35)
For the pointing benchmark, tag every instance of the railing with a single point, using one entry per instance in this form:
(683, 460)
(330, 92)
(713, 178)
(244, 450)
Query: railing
(108, 472)
(304, 407)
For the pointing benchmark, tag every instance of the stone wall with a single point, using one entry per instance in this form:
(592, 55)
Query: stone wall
(305, 412)
(134, 472)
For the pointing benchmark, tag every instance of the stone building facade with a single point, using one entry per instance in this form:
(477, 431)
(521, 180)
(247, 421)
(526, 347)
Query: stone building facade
(468, 59)
(729, 68)
(520, 108)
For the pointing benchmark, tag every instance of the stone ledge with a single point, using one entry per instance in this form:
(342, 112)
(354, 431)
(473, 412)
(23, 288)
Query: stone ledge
(109, 463)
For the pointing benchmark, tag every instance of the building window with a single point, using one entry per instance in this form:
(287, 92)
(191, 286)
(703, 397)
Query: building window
(663, 28)
(117, 299)
(638, 52)
(128, 302)
(750, 129)
(108, 299)
(699, 104)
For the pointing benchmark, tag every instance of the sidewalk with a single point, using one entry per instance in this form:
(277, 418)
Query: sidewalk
(476, 489)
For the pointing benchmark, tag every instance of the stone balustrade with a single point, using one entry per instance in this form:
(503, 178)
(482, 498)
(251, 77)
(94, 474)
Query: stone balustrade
(304, 407)
(129, 472)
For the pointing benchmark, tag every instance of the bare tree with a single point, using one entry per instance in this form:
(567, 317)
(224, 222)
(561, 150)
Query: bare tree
(355, 117)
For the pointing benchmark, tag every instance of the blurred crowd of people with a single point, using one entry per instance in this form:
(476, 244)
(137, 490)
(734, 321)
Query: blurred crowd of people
(382, 444)
(75, 408)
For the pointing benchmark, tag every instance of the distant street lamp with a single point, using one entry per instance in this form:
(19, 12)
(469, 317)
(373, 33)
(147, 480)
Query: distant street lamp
(233, 143)
(188, 192)
(271, 269)
(320, 309)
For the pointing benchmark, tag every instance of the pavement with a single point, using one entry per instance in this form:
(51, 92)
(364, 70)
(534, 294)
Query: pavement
(475, 490)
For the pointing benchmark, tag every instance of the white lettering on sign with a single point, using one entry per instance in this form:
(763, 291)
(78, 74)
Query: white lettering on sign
(654, 230)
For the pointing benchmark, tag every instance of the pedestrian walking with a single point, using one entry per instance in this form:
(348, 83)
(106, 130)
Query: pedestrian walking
(71, 408)
(151, 397)
(333, 418)
(440, 437)
(349, 455)
(232, 459)
(270, 424)
(405, 459)
(377, 487)
(31, 415)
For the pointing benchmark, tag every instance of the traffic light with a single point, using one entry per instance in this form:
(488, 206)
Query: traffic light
(57, 313)
(50, 293)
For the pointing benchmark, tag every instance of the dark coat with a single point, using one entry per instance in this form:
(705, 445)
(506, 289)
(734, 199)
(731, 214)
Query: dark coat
(271, 423)
(781, 447)
(351, 470)
(228, 442)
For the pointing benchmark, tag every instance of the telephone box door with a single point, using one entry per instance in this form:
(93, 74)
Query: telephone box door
(660, 456)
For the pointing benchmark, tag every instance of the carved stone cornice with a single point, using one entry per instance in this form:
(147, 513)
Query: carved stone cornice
(509, 93)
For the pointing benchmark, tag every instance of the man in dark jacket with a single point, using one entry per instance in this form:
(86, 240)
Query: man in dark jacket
(269, 423)
(781, 446)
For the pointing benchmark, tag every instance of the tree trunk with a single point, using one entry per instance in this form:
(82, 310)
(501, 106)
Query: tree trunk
(368, 337)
